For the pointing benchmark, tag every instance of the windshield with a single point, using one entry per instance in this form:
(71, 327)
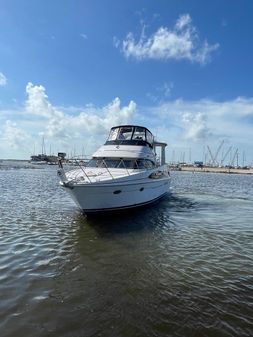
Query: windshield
(121, 133)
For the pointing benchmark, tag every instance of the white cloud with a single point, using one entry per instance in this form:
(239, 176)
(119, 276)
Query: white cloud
(180, 42)
(166, 88)
(60, 125)
(208, 118)
(3, 79)
(37, 102)
(183, 20)
(13, 136)
(162, 92)
(91, 120)
(63, 127)
(116, 42)
(182, 124)
(84, 36)
(189, 126)
(195, 126)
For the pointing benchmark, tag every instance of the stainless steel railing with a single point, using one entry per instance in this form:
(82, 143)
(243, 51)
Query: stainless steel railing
(73, 164)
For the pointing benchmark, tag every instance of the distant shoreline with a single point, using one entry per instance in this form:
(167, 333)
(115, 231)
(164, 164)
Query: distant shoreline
(206, 169)
(23, 160)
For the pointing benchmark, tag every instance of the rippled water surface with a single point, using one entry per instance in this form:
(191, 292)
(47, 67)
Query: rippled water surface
(183, 267)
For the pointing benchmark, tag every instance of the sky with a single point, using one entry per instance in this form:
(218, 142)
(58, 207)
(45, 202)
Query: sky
(72, 69)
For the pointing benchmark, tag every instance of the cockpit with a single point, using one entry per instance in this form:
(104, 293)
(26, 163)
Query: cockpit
(130, 135)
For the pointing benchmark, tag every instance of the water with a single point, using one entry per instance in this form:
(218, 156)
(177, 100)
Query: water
(181, 268)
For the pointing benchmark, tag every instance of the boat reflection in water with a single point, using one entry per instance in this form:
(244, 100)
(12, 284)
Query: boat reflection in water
(123, 173)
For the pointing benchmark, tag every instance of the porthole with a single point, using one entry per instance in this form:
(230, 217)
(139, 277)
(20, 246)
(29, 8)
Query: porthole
(141, 189)
(117, 192)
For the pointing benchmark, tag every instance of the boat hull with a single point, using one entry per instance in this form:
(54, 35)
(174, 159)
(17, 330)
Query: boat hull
(119, 195)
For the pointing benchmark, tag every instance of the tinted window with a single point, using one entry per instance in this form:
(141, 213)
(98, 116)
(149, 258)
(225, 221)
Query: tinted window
(117, 163)
(139, 134)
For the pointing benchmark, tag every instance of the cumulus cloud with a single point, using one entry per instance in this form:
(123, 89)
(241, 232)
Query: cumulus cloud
(3, 79)
(13, 136)
(180, 42)
(183, 21)
(89, 121)
(209, 120)
(37, 102)
(64, 128)
(195, 126)
(189, 126)
(192, 121)
(180, 123)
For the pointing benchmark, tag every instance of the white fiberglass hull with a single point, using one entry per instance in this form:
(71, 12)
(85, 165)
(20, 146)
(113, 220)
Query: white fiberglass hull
(117, 195)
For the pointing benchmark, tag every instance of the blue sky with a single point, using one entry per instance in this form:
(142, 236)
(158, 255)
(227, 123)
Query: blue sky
(69, 70)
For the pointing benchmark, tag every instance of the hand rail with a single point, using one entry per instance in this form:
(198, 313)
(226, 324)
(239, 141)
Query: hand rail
(121, 160)
(78, 164)
(85, 175)
(104, 163)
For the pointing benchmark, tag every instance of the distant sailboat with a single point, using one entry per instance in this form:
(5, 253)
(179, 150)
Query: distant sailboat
(39, 159)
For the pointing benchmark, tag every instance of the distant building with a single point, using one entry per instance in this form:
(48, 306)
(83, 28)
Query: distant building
(198, 163)
(62, 155)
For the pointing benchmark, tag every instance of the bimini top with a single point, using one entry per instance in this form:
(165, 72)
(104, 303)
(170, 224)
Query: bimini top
(130, 135)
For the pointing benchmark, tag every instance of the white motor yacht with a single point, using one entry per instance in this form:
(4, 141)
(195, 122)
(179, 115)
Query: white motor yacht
(123, 173)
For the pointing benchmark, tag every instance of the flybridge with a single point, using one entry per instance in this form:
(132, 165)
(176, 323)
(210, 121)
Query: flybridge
(130, 135)
(135, 135)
